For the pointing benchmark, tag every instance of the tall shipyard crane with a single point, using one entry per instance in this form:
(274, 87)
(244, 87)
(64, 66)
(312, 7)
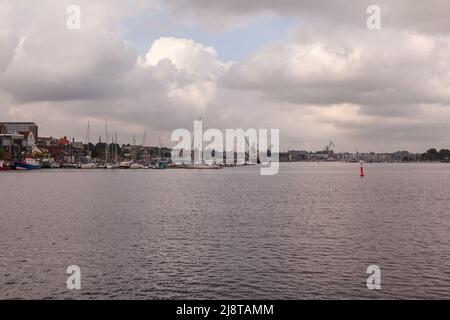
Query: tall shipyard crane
(328, 147)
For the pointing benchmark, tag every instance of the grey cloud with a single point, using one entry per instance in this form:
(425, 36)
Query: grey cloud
(333, 79)
(68, 66)
(425, 16)
(382, 73)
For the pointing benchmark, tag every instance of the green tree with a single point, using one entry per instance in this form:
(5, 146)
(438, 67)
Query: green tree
(39, 155)
(3, 154)
(444, 154)
(431, 155)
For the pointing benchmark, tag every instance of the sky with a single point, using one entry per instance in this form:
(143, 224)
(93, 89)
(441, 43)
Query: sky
(311, 69)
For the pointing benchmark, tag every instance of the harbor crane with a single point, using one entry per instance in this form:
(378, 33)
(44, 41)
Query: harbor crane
(329, 146)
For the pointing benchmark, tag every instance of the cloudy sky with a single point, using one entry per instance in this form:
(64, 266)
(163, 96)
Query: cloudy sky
(310, 68)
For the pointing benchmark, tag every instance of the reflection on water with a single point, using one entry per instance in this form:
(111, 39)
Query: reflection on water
(309, 232)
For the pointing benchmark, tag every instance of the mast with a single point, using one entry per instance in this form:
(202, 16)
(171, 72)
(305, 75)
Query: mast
(106, 141)
(113, 147)
(88, 138)
(144, 139)
(116, 150)
(134, 152)
(160, 151)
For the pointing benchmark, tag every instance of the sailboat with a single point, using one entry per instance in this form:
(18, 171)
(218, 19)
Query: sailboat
(161, 164)
(202, 166)
(125, 164)
(89, 166)
(136, 166)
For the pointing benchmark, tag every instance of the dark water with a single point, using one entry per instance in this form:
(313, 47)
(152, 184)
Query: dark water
(309, 232)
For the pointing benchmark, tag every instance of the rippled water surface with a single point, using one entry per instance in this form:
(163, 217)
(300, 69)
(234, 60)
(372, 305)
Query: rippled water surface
(309, 232)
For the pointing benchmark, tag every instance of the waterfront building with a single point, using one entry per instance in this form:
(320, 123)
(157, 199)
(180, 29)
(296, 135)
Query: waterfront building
(294, 155)
(318, 156)
(384, 157)
(12, 144)
(64, 141)
(400, 156)
(77, 145)
(284, 157)
(346, 157)
(41, 152)
(47, 142)
(16, 127)
(29, 140)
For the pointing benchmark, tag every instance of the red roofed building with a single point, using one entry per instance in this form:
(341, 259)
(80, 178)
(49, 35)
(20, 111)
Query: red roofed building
(64, 141)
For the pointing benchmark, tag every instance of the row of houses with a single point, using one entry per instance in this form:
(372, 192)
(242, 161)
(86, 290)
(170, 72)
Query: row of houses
(399, 156)
(20, 139)
(17, 138)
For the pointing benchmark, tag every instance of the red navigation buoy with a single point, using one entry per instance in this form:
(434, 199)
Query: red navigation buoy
(362, 171)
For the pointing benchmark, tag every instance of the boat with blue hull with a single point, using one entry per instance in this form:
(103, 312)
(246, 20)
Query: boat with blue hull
(27, 164)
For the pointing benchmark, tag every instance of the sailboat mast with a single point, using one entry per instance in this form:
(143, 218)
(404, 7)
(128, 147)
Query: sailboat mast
(160, 151)
(106, 141)
(88, 138)
(117, 147)
(113, 147)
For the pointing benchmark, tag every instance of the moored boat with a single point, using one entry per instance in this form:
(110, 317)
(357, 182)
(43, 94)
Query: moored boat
(202, 166)
(161, 165)
(27, 164)
(70, 166)
(125, 164)
(55, 165)
(88, 166)
(136, 166)
(4, 166)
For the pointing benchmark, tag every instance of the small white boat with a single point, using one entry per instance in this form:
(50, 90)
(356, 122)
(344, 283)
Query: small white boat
(88, 166)
(239, 163)
(125, 164)
(70, 166)
(136, 166)
(55, 165)
(202, 166)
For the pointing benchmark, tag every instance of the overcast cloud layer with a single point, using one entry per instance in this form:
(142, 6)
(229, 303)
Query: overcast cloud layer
(332, 79)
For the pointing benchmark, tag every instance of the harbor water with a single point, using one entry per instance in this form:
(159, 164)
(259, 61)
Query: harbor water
(308, 232)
